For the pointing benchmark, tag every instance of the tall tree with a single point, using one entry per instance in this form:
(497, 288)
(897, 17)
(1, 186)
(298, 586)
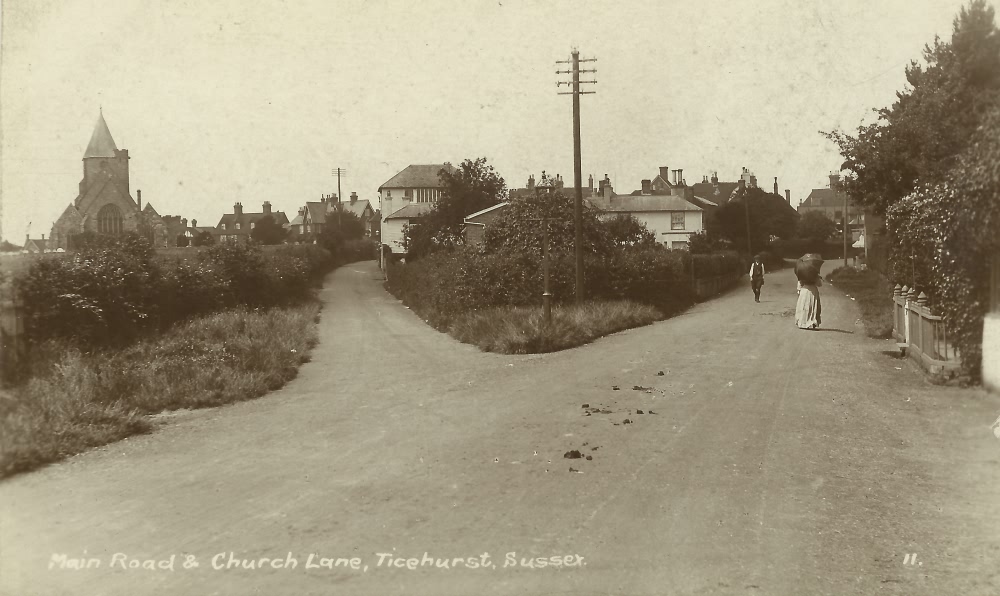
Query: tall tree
(920, 137)
(769, 215)
(472, 187)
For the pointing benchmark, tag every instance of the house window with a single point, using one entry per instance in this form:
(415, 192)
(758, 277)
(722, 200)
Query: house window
(677, 221)
(408, 194)
(237, 226)
(252, 224)
(388, 194)
(678, 245)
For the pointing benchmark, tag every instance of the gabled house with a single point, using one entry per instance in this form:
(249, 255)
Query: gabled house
(406, 196)
(35, 245)
(362, 208)
(237, 226)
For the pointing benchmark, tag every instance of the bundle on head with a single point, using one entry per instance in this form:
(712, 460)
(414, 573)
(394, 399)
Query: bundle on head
(807, 268)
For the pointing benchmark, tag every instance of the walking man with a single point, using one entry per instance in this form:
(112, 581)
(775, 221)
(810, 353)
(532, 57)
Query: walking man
(756, 277)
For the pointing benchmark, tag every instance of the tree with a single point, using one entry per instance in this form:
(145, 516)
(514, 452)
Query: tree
(349, 224)
(816, 226)
(203, 238)
(770, 216)
(268, 231)
(518, 229)
(6, 246)
(920, 137)
(626, 230)
(472, 187)
(704, 243)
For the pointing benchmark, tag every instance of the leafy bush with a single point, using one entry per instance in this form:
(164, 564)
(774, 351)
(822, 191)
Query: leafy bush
(441, 286)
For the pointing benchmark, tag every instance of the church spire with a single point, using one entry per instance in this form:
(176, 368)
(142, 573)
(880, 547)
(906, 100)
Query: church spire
(101, 144)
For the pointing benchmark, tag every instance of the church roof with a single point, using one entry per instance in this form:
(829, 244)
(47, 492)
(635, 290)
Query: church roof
(101, 144)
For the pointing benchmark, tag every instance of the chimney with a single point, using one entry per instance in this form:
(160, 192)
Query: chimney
(138, 197)
(646, 187)
(743, 185)
(834, 181)
(184, 222)
(194, 223)
(322, 199)
(776, 186)
(267, 207)
(665, 174)
(673, 173)
(715, 178)
(238, 208)
(354, 197)
(680, 177)
(531, 182)
(704, 179)
(590, 182)
(43, 236)
(788, 196)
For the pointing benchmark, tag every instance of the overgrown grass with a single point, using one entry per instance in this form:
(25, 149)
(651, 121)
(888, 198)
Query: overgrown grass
(873, 295)
(84, 400)
(522, 330)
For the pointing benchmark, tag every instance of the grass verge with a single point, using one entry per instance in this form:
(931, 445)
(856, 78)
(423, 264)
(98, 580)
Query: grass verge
(84, 400)
(522, 330)
(873, 295)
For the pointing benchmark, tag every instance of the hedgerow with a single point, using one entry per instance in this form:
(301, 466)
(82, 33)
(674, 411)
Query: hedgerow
(111, 293)
(444, 285)
(944, 236)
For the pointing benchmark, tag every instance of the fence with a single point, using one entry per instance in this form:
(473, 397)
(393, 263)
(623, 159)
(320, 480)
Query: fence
(922, 334)
(706, 287)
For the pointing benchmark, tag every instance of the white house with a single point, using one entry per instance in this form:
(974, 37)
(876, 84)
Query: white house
(671, 218)
(408, 195)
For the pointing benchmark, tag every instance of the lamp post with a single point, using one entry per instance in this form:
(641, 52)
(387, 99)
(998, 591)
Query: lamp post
(546, 295)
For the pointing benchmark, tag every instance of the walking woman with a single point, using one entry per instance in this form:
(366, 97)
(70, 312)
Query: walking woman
(808, 309)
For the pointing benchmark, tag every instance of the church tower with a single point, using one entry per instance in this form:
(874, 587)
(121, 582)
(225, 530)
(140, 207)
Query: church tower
(103, 159)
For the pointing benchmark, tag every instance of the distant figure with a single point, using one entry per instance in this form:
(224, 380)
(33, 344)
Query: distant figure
(808, 308)
(756, 277)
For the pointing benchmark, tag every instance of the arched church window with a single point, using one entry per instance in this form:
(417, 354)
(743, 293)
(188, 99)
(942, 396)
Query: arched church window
(110, 221)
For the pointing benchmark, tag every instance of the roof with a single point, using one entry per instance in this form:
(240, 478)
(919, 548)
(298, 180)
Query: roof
(643, 203)
(279, 218)
(703, 202)
(317, 211)
(101, 144)
(418, 176)
(357, 207)
(149, 209)
(297, 221)
(717, 193)
(485, 211)
(39, 243)
(823, 197)
(411, 210)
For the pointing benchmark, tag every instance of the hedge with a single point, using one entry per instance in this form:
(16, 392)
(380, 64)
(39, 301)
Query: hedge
(441, 286)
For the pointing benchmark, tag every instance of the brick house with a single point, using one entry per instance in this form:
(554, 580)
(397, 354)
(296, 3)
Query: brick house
(237, 226)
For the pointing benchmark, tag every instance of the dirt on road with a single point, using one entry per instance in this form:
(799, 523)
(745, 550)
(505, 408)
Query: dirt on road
(722, 451)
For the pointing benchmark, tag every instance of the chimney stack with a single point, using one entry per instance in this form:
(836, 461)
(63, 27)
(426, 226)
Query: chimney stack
(138, 198)
(354, 197)
(665, 173)
(715, 178)
(267, 207)
(834, 181)
(680, 177)
(646, 189)
(238, 208)
(788, 196)
(184, 222)
(776, 186)
(531, 182)
(590, 182)
(194, 223)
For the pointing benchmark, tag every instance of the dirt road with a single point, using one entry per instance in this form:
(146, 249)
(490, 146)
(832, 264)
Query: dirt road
(767, 460)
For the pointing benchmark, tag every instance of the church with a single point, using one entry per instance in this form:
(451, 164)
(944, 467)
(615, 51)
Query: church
(104, 204)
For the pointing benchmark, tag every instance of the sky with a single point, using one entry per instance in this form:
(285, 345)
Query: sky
(233, 100)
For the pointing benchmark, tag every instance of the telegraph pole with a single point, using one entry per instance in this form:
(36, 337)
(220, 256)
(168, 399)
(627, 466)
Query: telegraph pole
(338, 172)
(575, 61)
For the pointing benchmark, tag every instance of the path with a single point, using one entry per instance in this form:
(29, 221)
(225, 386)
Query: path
(777, 461)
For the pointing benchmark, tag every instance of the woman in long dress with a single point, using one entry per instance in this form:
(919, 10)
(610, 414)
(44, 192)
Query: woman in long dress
(808, 309)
